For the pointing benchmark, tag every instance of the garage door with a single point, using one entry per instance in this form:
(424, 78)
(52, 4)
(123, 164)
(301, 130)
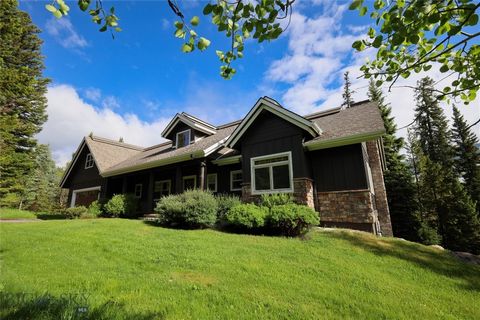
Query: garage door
(85, 197)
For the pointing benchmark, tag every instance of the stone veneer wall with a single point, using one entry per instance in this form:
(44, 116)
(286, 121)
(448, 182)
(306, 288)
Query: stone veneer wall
(379, 187)
(302, 192)
(351, 208)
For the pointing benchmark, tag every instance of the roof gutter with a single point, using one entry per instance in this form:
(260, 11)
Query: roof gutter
(158, 163)
(318, 145)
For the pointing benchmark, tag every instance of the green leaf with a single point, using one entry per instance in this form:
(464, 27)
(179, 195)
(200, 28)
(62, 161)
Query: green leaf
(378, 41)
(444, 68)
(193, 33)
(355, 4)
(57, 14)
(83, 4)
(103, 28)
(208, 9)
(195, 21)
(50, 8)
(358, 45)
(178, 24)
(363, 11)
(187, 48)
(179, 33)
(203, 43)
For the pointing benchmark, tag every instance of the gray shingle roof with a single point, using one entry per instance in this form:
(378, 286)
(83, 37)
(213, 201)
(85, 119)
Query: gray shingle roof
(113, 157)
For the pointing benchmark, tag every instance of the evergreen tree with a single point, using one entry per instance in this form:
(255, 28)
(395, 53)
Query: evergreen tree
(347, 91)
(41, 187)
(401, 194)
(432, 126)
(446, 207)
(467, 156)
(22, 99)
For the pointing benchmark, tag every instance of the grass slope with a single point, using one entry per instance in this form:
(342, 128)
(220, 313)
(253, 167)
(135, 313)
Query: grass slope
(132, 270)
(8, 214)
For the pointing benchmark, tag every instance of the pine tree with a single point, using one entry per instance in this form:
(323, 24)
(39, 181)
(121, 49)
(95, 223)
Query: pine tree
(446, 207)
(401, 194)
(431, 124)
(22, 99)
(466, 156)
(347, 91)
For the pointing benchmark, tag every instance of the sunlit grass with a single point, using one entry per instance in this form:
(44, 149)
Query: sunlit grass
(132, 270)
(6, 213)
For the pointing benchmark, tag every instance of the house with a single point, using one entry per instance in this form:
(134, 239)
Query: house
(332, 161)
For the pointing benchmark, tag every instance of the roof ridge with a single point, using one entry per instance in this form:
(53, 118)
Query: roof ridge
(116, 143)
(198, 119)
(157, 145)
(229, 124)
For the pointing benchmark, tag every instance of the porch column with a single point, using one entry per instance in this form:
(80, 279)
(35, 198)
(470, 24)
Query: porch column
(203, 175)
(150, 192)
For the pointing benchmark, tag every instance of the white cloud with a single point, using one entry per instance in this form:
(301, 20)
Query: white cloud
(93, 94)
(65, 34)
(70, 118)
(319, 52)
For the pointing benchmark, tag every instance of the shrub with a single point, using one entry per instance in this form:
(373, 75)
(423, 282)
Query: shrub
(95, 208)
(75, 212)
(121, 205)
(276, 199)
(225, 202)
(291, 219)
(191, 209)
(247, 216)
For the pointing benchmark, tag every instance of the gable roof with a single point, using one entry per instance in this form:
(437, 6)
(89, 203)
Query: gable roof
(105, 153)
(270, 105)
(361, 122)
(190, 121)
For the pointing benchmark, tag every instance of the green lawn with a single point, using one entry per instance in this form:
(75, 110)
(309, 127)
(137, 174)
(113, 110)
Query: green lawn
(6, 213)
(132, 270)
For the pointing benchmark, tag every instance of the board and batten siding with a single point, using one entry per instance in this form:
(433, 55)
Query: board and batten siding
(339, 168)
(271, 134)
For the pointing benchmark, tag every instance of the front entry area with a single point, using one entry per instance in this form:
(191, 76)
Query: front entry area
(84, 197)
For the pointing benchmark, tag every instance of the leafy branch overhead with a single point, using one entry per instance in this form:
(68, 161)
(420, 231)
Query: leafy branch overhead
(413, 36)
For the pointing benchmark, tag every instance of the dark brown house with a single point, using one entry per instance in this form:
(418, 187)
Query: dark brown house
(331, 161)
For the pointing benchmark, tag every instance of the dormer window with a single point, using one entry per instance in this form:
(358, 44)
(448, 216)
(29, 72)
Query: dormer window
(89, 161)
(183, 138)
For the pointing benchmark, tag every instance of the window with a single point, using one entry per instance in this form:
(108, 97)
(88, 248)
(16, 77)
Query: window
(183, 138)
(189, 182)
(272, 173)
(161, 188)
(236, 180)
(89, 161)
(138, 190)
(212, 182)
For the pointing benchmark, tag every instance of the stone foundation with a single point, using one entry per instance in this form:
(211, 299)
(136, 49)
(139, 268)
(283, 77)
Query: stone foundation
(302, 192)
(352, 209)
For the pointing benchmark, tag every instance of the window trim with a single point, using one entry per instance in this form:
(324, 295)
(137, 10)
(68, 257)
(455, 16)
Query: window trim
(189, 138)
(189, 177)
(135, 190)
(231, 180)
(163, 181)
(253, 166)
(216, 181)
(89, 159)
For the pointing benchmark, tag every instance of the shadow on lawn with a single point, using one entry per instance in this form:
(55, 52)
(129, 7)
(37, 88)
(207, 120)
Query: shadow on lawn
(440, 262)
(45, 306)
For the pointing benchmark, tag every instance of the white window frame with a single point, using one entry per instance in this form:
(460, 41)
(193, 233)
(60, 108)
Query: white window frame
(74, 194)
(231, 180)
(163, 181)
(189, 177)
(216, 181)
(253, 166)
(89, 161)
(135, 190)
(189, 138)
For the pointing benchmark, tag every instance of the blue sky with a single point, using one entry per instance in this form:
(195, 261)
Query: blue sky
(131, 86)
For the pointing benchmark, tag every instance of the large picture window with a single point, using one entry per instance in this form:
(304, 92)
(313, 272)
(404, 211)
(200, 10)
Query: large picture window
(272, 173)
(89, 161)
(183, 138)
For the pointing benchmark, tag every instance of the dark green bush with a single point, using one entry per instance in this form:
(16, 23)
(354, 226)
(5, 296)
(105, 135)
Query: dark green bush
(246, 216)
(276, 199)
(121, 205)
(291, 219)
(75, 212)
(225, 202)
(191, 209)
